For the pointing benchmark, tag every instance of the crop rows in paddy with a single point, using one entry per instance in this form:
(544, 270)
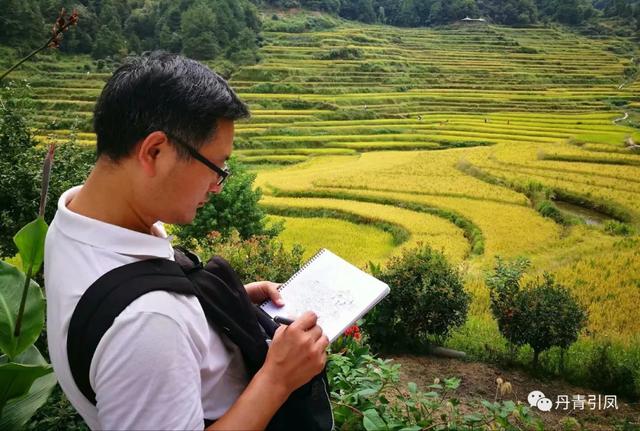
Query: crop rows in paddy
(532, 107)
(372, 125)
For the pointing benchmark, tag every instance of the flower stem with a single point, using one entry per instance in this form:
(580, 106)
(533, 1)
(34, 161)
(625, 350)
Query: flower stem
(23, 301)
(15, 66)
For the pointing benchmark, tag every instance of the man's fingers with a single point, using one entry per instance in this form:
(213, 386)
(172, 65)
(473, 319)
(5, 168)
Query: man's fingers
(274, 294)
(323, 342)
(306, 321)
(279, 330)
(315, 333)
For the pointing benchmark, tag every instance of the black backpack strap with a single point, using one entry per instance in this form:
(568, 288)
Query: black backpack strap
(106, 299)
(226, 304)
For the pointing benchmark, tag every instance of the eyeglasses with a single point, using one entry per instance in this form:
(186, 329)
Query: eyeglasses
(223, 173)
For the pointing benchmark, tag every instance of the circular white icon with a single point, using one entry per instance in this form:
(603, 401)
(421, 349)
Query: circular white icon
(544, 404)
(534, 397)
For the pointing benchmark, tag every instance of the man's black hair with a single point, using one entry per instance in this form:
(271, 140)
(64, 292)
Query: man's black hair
(162, 92)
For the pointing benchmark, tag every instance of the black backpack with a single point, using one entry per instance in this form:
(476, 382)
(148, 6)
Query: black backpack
(225, 303)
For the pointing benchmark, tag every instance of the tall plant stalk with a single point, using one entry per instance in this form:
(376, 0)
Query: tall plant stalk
(62, 24)
(46, 176)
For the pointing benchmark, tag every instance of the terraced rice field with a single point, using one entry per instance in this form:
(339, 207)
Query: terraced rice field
(416, 103)
(362, 131)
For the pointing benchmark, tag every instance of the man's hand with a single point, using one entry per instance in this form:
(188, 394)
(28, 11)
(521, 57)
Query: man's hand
(297, 353)
(260, 291)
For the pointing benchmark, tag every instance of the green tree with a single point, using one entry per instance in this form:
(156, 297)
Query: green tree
(443, 12)
(140, 28)
(573, 12)
(462, 8)
(504, 285)
(331, 6)
(109, 40)
(510, 12)
(168, 39)
(548, 316)
(390, 7)
(407, 14)
(541, 314)
(22, 23)
(365, 11)
(382, 16)
(235, 208)
(198, 29)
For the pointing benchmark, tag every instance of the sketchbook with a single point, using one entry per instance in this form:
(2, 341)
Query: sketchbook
(337, 291)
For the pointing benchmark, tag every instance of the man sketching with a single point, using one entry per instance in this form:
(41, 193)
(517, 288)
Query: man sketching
(164, 127)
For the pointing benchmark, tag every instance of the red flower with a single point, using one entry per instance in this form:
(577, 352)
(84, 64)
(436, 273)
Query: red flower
(353, 331)
(61, 25)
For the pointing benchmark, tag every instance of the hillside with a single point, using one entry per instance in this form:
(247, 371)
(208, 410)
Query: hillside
(477, 139)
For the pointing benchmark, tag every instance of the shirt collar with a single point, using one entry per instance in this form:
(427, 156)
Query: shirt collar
(108, 236)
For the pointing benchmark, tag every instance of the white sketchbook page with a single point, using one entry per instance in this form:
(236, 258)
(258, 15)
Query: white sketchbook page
(338, 292)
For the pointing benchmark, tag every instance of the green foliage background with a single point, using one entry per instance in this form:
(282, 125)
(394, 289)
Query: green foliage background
(202, 29)
(20, 166)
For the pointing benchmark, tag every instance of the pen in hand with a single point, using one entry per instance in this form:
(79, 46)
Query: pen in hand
(282, 320)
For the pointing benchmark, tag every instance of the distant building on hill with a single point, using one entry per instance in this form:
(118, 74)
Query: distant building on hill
(467, 19)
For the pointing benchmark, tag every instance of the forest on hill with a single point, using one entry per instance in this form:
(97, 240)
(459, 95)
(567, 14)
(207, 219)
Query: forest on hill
(201, 29)
(230, 29)
(414, 13)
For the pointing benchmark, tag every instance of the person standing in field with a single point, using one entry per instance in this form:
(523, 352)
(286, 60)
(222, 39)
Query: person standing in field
(164, 127)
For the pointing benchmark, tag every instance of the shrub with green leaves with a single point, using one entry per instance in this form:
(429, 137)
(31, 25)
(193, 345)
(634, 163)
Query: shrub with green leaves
(235, 208)
(548, 315)
(20, 166)
(427, 300)
(18, 190)
(542, 314)
(256, 258)
(610, 374)
(504, 285)
(548, 209)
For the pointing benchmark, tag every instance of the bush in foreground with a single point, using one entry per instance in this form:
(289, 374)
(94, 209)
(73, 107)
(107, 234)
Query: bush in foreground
(255, 258)
(427, 299)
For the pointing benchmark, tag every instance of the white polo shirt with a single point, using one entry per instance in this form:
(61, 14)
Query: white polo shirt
(160, 366)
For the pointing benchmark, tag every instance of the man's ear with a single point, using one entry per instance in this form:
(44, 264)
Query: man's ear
(152, 150)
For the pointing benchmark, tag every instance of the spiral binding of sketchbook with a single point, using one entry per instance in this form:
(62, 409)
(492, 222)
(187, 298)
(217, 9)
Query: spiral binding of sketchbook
(302, 268)
(337, 291)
